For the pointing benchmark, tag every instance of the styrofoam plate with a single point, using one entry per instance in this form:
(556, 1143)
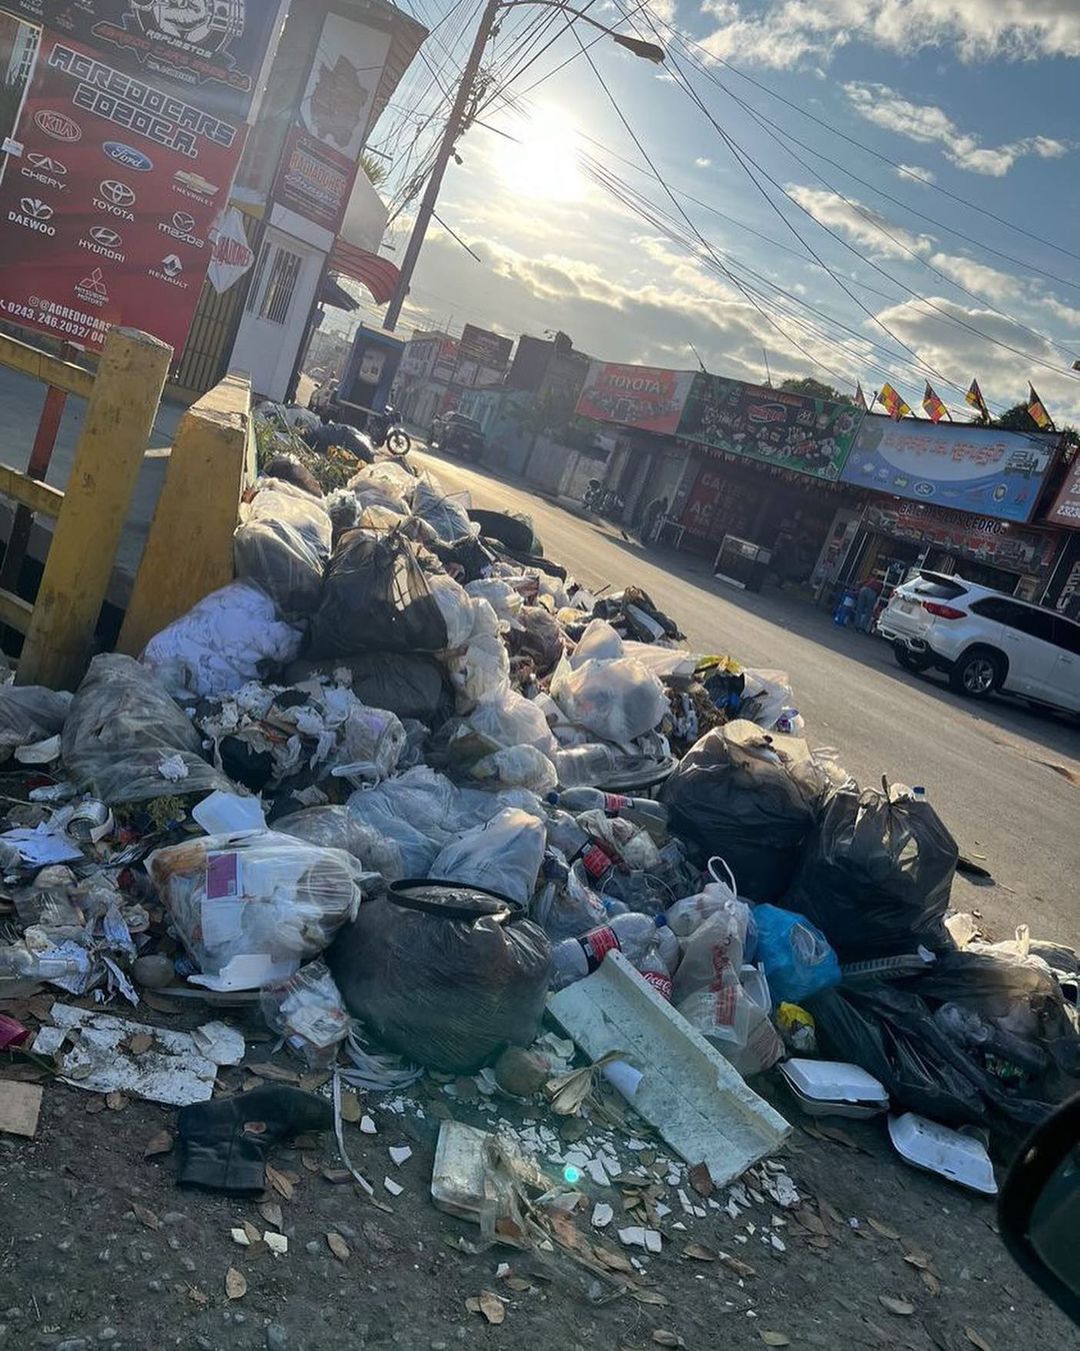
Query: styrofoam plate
(942, 1150)
(832, 1081)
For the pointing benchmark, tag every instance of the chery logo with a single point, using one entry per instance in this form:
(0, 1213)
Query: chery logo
(47, 165)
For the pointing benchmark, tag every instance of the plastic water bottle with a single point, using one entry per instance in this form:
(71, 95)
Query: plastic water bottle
(637, 937)
(639, 811)
(584, 765)
(22, 969)
(565, 834)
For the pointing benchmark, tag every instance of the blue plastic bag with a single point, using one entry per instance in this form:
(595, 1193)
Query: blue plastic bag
(797, 958)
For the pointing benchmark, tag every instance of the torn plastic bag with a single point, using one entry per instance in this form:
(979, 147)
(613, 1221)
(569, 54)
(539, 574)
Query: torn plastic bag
(456, 608)
(251, 908)
(599, 642)
(797, 958)
(309, 1012)
(338, 828)
(448, 517)
(509, 719)
(230, 637)
(482, 671)
(412, 686)
(122, 729)
(376, 598)
(876, 873)
(447, 993)
(751, 799)
(615, 700)
(389, 475)
(30, 713)
(283, 544)
(538, 636)
(503, 856)
(410, 809)
(500, 595)
(564, 906)
(518, 767)
(765, 696)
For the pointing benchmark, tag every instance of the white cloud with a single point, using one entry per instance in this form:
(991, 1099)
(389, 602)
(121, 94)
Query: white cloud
(915, 172)
(930, 125)
(785, 33)
(703, 161)
(861, 224)
(987, 281)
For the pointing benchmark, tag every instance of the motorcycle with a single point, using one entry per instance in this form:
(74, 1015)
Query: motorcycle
(385, 430)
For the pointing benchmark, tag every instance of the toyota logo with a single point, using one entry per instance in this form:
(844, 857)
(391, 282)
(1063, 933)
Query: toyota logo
(108, 239)
(117, 193)
(48, 165)
(36, 209)
(183, 222)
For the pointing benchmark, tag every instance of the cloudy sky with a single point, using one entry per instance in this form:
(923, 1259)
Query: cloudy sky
(862, 189)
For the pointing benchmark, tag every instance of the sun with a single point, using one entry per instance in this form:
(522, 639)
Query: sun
(543, 161)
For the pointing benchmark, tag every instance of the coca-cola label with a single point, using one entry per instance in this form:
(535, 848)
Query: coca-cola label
(613, 802)
(597, 943)
(595, 860)
(660, 983)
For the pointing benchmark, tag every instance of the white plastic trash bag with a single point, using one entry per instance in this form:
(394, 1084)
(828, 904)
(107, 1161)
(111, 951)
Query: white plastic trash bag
(230, 637)
(482, 671)
(509, 719)
(502, 856)
(456, 607)
(501, 596)
(616, 700)
(599, 642)
(518, 767)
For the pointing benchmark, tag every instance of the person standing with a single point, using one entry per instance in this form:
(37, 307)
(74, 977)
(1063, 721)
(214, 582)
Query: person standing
(866, 604)
(651, 519)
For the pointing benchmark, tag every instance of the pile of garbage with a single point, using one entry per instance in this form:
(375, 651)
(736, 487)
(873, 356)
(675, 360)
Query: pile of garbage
(414, 789)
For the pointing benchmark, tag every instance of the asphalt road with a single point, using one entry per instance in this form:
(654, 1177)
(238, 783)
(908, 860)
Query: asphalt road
(1005, 777)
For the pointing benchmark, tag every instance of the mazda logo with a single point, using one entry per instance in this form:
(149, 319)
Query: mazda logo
(108, 239)
(117, 193)
(36, 209)
(184, 222)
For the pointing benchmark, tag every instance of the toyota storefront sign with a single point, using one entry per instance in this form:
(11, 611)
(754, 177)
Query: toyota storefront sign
(108, 214)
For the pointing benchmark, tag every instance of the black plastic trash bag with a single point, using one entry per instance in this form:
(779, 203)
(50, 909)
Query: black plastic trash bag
(512, 529)
(283, 543)
(875, 874)
(126, 741)
(412, 686)
(539, 636)
(331, 434)
(733, 796)
(376, 598)
(30, 713)
(448, 993)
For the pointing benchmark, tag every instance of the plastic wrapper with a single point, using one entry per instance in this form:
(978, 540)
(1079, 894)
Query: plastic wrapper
(797, 958)
(447, 993)
(456, 608)
(509, 719)
(230, 637)
(621, 840)
(750, 798)
(500, 595)
(876, 874)
(566, 908)
(309, 1012)
(482, 671)
(599, 642)
(518, 767)
(283, 544)
(615, 700)
(251, 908)
(765, 696)
(371, 742)
(338, 828)
(538, 636)
(447, 517)
(503, 856)
(30, 713)
(123, 728)
(376, 598)
(389, 476)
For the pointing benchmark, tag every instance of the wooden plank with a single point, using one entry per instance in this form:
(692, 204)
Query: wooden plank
(15, 612)
(50, 370)
(115, 432)
(38, 497)
(196, 513)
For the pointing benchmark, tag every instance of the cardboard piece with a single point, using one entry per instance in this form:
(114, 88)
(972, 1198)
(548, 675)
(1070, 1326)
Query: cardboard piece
(20, 1106)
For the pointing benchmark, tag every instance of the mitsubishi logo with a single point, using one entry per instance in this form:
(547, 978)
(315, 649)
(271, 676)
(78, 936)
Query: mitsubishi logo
(95, 283)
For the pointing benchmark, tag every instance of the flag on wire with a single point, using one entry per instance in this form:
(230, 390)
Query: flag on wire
(935, 409)
(1037, 411)
(893, 403)
(860, 397)
(975, 398)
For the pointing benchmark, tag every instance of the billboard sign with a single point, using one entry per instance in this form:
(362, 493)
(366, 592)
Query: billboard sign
(319, 165)
(1066, 508)
(986, 539)
(791, 431)
(107, 216)
(209, 51)
(959, 465)
(647, 397)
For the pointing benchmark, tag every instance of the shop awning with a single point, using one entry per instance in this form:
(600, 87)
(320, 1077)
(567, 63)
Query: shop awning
(379, 275)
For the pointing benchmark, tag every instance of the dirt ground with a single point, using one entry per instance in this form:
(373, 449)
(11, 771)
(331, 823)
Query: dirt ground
(100, 1249)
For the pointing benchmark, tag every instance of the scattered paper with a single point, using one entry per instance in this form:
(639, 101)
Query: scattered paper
(400, 1154)
(173, 768)
(42, 846)
(229, 814)
(392, 1187)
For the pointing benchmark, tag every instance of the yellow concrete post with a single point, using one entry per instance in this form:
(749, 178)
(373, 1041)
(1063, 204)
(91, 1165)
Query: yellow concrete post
(189, 550)
(119, 419)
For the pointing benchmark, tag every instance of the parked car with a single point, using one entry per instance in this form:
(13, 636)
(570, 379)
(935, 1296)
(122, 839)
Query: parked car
(458, 434)
(985, 640)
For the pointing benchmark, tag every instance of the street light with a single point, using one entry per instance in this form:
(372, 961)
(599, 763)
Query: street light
(455, 125)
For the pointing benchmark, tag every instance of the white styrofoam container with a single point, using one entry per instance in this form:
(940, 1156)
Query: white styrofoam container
(942, 1150)
(835, 1088)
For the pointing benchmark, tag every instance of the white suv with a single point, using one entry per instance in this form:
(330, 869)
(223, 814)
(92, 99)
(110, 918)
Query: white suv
(984, 639)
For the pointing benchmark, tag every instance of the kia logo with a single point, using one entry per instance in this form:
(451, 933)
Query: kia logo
(108, 239)
(47, 165)
(36, 209)
(117, 193)
(58, 125)
(183, 222)
(128, 156)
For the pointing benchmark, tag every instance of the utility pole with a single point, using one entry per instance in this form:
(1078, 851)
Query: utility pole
(455, 125)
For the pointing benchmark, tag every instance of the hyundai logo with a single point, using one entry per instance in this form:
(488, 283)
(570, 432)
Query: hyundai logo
(117, 193)
(128, 156)
(183, 222)
(108, 239)
(36, 209)
(48, 165)
(58, 125)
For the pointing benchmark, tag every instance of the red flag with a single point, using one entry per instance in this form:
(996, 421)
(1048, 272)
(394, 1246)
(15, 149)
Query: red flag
(893, 403)
(935, 409)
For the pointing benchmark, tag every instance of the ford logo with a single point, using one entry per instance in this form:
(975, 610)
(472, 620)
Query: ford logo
(128, 156)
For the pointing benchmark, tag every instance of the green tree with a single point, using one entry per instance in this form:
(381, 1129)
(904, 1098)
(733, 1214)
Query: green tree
(1018, 419)
(377, 170)
(814, 389)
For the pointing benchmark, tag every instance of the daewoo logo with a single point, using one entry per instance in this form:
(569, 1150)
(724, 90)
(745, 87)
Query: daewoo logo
(58, 125)
(128, 156)
(36, 209)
